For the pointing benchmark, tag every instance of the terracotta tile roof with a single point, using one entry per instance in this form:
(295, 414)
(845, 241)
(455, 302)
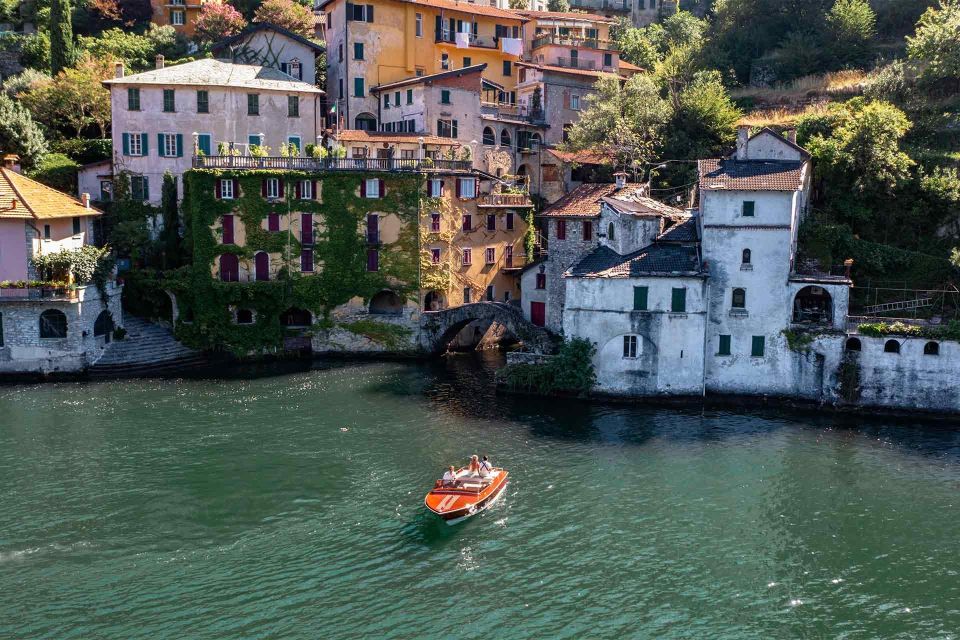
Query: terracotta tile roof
(564, 70)
(581, 157)
(356, 135)
(750, 175)
(566, 15)
(455, 73)
(624, 65)
(453, 5)
(655, 260)
(35, 200)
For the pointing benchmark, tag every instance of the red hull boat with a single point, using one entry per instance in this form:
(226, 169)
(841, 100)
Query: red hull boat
(470, 495)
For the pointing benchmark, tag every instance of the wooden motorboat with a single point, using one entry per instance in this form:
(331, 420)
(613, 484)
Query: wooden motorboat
(468, 496)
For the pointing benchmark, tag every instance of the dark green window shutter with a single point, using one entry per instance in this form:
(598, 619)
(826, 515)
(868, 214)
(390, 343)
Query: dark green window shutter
(358, 87)
(640, 298)
(126, 144)
(160, 149)
(724, 349)
(143, 141)
(203, 144)
(409, 96)
(748, 208)
(179, 145)
(678, 301)
(454, 129)
(757, 346)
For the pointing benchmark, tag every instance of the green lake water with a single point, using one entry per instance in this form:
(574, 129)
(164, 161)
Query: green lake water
(291, 506)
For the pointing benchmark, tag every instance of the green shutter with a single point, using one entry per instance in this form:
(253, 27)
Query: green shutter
(126, 144)
(757, 346)
(203, 144)
(640, 298)
(179, 145)
(724, 349)
(748, 207)
(143, 141)
(409, 96)
(678, 301)
(160, 149)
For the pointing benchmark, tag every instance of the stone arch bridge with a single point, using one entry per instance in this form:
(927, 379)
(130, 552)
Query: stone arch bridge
(438, 328)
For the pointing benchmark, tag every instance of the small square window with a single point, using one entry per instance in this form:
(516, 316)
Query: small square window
(749, 207)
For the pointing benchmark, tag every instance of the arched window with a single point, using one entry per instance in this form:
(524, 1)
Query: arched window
(892, 346)
(295, 317)
(229, 268)
(931, 349)
(261, 265)
(244, 316)
(505, 138)
(739, 298)
(489, 137)
(386, 303)
(535, 142)
(746, 256)
(611, 232)
(365, 122)
(103, 325)
(853, 344)
(53, 324)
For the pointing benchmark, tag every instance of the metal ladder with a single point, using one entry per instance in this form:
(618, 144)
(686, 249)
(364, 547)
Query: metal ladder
(896, 306)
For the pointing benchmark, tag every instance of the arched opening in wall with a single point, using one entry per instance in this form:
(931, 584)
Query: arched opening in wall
(745, 257)
(523, 174)
(611, 232)
(535, 142)
(261, 265)
(489, 137)
(891, 346)
(505, 140)
(739, 299)
(103, 326)
(365, 122)
(433, 301)
(931, 349)
(812, 305)
(53, 324)
(386, 303)
(296, 318)
(229, 268)
(853, 344)
(244, 316)
(482, 335)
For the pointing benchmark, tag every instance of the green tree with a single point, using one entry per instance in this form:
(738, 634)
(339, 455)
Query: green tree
(61, 36)
(138, 52)
(75, 99)
(852, 24)
(170, 236)
(19, 134)
(287, 14)
(56, 171)
(218, 20)
(937, 40)
(519, 5)
(636, 47)
(705, 121)
(558, 5)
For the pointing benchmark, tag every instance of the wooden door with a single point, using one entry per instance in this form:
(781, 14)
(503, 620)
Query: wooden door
(538, 313)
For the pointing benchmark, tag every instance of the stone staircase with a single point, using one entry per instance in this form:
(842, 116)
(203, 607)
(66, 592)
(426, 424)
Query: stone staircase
(147, 350)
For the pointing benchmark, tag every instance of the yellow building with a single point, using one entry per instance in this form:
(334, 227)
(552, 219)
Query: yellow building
(181, 14)
(386, 41)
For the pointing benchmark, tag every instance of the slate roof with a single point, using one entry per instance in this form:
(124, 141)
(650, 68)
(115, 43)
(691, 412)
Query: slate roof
(584, 201)
(218, 73)
(750, 175)
(35, 200)
(566, 15)
(632, 203)
(266, 26)
(658, 259)
(683, 231)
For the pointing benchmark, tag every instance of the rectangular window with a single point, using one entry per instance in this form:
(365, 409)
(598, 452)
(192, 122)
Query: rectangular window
(273, 222)
(447, 128)
(587, 230)
(358, 51)
(575, 102)
(561, 229)
(467, 257)
(306, 189)
(444, 96)
(409, 96)
(139, 188)
(358, 90)
(306, 228)
(203, 101)
(629, 346)
(340, 88)
(608, 59)
(253, 104)
(273, 188)
(435, 188)
(491, 222)
(372, 188)
(76, 225)
(507, 67)
(373, 228)
(134, 143)
(467, 61)
(541, 281)
(435, 223)
(757, 346)
(293, 106)
(467, 222)
(386, 101)
(444, 62)
(133, 99)
(169, 100)
(435, 255)
(418, 31)
(467, 295)
(508, 255)
(490, 294)
(640, 298)
(748, 208)
(373, 260)
(491, 255)
(168, 145)
(46, 232)
(724, 347)
(678, 300)
(509, 221)
(396, 98)
(306, 260)
(254, 141)
(420, 72)
(467, 187)
(178, 17)
(204, 144)
(226, 189)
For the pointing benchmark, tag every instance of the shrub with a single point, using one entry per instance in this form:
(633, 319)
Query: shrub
(21, 83)
(84, 150)
(570, 371)
(57, 171)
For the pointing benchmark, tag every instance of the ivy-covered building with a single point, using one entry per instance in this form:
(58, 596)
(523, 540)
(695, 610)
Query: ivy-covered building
(334, 256)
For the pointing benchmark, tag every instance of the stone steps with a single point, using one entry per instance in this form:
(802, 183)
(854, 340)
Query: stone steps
(147, 349)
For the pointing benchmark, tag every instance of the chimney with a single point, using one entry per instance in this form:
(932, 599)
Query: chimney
(85, 200)
(11, 161)
(743, 135)
(621, 178)
(791, 135)
(118, 70)
(159, 61)
(847, 267)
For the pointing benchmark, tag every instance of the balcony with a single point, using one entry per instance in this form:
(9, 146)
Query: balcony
(24, 292)
(576, 63)
(572, 41)
(511, 200)
(605, 5)
(330, 164)
(511, 111)
(450, 37)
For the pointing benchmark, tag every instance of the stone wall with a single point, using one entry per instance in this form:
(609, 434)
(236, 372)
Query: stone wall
(562, 255)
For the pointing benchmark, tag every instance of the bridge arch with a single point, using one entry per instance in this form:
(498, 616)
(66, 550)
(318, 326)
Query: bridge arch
(438, 328)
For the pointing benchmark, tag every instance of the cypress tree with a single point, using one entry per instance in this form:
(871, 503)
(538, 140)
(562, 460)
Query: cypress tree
(61, 36)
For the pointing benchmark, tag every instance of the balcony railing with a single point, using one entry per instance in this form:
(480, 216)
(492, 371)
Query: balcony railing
(448, 36)
(510, 110)
(572, 41)
(504, 200)
(576, 63)
(609, 5)
(23, 294)
(330, 164)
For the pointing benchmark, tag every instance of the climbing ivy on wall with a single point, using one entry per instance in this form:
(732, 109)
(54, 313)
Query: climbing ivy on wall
(340, 254)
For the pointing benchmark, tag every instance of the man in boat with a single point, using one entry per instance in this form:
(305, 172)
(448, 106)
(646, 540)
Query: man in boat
(486, 468)
(450, 477)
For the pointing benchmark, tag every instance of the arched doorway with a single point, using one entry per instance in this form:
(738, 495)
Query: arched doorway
(812, 305)
(261, 265)
(365, 122)
(296, 318)
(53, 324)
(489, 137)
(386, 303)
(433, 301)
(229, 268)
(103, 326)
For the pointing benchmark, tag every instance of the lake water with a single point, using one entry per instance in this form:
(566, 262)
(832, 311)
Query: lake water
(291, 506)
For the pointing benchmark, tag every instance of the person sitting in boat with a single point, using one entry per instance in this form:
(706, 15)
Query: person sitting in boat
(486, 468)
(474, 467)
(450, 477)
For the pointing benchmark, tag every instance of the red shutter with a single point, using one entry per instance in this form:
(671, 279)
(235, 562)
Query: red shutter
(216, 189)
(299, 194)
(280, 191)
(373, 228)
(236, 188)
(306, 228)
(587, 230)
(381, 189)
(228, 229)
(363, 188)
(458, 186)
(263, 188)
(313, 190)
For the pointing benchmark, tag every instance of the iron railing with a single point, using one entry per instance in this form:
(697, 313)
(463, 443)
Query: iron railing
(330, 164)
(572, 41)
(504, 200)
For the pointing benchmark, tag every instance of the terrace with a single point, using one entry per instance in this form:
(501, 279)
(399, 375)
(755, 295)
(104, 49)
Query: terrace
(330, 164)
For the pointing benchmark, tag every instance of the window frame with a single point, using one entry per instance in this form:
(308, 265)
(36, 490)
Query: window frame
(293, 106)
(748, 209)
(758, 346)
(641, 298)
(678, 304)
(205, 102)
(169, 101)
(226, 187)
(133, 99)
(44, 322)
(631, 346)
(724, 345)
(253, 104)
(490, 255)
(741, 293)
